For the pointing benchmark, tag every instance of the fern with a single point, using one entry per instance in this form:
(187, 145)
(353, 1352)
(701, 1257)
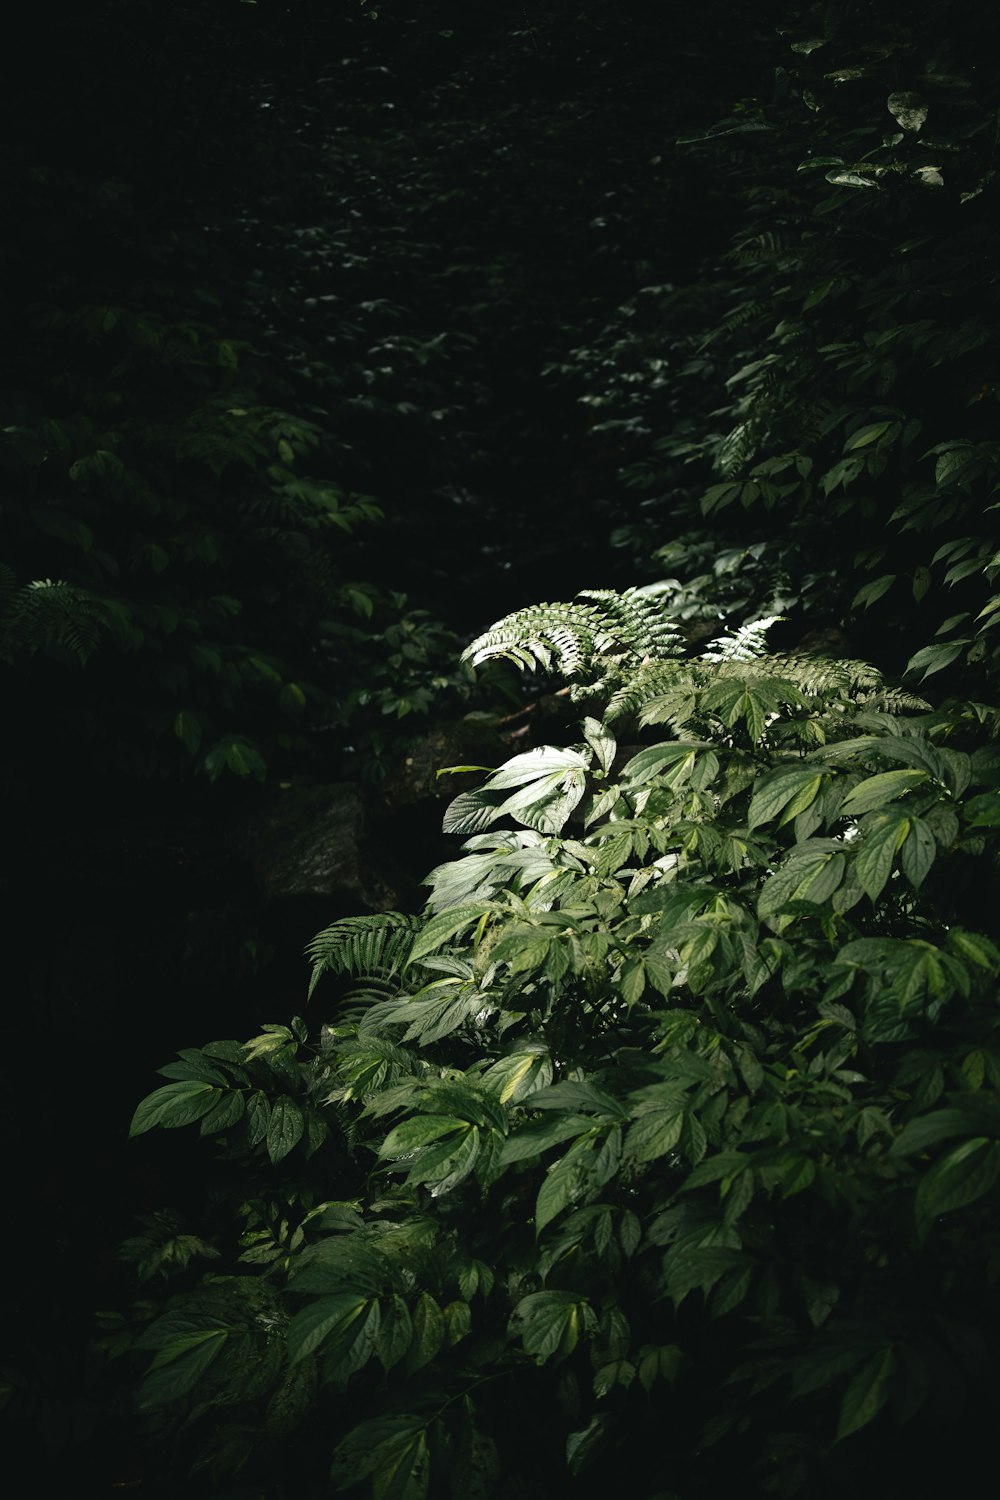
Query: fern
(893, 701)
(49, 615)
(373, 949)
(655, 680)
(741, 645)
(569, 638)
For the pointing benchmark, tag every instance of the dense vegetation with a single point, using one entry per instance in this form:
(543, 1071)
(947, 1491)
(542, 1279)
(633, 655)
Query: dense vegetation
(664, 1137)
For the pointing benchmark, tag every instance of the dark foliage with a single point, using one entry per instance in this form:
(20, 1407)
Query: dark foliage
(664, 1139)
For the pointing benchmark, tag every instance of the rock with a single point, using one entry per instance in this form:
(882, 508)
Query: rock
(316, 842)
(458, 742)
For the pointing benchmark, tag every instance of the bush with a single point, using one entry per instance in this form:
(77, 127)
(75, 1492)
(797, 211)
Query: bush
(665, 1137)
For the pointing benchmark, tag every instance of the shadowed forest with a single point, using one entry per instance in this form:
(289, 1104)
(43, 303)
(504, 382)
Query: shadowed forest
(499, 576)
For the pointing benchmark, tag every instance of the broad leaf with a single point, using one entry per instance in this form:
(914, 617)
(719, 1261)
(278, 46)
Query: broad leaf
(551, 1323)
(963, 1176)
(866, 1394)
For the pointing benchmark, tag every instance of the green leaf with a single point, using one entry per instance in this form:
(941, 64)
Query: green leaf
(811, 872)
(562, 1185)
(458, 1322)
(444, 925)
(657, 1130)
(908, 109)
(187, 727)
(983, 811)
(351, 1344)
(935, 658)
(228, 1112)
(409, 1137)
(601, 741)
(391, 1450)
(776, 791)
(661, 1362)
(179, 1366)
(849, 179)
(244, 759)
(583, 1447)
(321, 1320)
(874, 860)
(429, 1331)
(879, 791)
(546, 803)
(918, 852)
(918, 1135)
(632, 981)
(866, 1394)
(866, 435)
(538, 1135)
(871, 592)
(521, 1074)
(975, 948)
(284, 1129)
(657, 758)
(535, 765)
(472, 811)
(579, 1094)
(258, 1117)
(452, 1163)
(551, 1323)
(173, 1105)
(963, 1176)
(395, 1332)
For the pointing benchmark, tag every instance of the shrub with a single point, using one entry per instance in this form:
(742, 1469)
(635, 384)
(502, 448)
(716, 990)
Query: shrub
(664, 1137)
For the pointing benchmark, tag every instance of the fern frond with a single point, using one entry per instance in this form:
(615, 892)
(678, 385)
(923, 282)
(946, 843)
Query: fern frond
(50, 615)
(569, 638)
(742, 314)
(754, 249)
(656, 680)
(894, 701)
(373, 949)
(639, 622)
(817, 676)
(735, 450)
(744, 644)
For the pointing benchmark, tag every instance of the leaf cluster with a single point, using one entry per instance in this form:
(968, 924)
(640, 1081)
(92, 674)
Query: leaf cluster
(684, 1089)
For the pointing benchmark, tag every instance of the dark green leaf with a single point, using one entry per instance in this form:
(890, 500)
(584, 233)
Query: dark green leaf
(963, 1176)
(285, 1128)
(866, 1394)
(323, 1319)
(174, 1104)
(551, 1323)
